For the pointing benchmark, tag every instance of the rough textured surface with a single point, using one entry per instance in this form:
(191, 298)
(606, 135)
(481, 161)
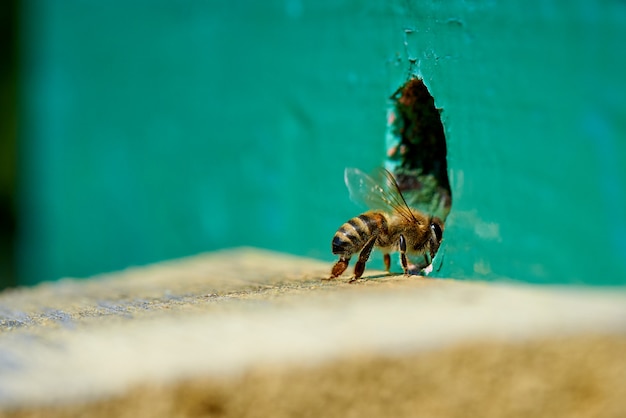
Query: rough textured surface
(254, 333)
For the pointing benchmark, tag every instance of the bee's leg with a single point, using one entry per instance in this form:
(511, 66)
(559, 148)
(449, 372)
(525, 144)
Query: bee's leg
(427, 268)
(424, 263)
(403, 260)
(433, 250)
(359, 268)
(339, 267)
(387, 260)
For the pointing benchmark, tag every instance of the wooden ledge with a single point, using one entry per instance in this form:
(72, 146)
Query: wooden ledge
(248, 332)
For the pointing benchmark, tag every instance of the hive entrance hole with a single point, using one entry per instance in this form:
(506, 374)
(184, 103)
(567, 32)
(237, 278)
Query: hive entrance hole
(416, 149)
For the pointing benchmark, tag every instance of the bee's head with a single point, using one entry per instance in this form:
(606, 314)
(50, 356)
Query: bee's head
(436, 230)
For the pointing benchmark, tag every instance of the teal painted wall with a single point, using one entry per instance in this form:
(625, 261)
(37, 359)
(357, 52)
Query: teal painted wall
(153, 130)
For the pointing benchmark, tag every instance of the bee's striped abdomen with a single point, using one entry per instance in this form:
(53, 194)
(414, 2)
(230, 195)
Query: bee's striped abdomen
(353, 235)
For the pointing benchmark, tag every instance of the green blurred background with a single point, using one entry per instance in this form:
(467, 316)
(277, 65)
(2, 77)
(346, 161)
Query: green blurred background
(139, 131)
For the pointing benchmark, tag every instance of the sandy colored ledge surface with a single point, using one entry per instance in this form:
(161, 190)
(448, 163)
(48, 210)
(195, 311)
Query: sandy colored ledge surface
(254, 333)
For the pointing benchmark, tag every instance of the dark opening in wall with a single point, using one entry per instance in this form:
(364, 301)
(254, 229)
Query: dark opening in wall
(416, 149)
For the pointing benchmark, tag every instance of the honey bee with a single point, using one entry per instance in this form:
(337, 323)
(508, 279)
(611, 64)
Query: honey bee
(391, 226)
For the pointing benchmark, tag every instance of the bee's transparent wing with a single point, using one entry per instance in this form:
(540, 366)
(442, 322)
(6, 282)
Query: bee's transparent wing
(381, 193)
(364, 190)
